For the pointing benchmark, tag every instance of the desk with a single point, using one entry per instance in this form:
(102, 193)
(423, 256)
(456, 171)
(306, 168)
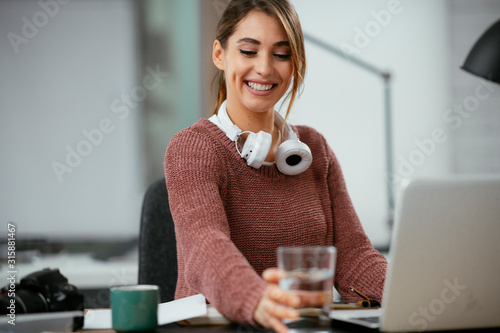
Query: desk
(174, 328)
(336, 327)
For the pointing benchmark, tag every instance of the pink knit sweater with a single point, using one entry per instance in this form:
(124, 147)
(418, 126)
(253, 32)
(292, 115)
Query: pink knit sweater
(230, 218)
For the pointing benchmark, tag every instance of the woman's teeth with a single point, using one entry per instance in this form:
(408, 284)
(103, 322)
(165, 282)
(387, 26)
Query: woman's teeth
(261, 87)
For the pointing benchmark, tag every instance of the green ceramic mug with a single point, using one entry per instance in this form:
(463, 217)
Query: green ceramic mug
(134, 308)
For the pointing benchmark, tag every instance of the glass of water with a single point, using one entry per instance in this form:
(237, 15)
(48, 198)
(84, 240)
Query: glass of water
(309, 274)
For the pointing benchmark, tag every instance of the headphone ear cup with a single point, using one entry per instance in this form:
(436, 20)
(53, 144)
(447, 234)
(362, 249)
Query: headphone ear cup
(293, 157)
(256, 148)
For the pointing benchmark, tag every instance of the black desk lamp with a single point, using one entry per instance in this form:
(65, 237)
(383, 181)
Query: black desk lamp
(484, 58)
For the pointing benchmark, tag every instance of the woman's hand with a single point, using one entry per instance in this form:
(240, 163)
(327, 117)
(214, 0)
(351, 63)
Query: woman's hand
(274, 306)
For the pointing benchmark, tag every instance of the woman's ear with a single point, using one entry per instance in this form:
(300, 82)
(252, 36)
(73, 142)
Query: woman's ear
(218, 55)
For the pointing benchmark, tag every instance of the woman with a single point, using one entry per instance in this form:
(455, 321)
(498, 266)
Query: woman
(231, 213)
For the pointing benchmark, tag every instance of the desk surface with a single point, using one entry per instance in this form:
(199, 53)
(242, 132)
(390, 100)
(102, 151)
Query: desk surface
(174, 328)
(336, 327)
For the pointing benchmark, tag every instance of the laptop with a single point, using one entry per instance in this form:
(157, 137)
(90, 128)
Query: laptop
(444, 259)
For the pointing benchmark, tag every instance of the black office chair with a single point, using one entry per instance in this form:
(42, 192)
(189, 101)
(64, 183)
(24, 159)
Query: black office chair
(157, 247)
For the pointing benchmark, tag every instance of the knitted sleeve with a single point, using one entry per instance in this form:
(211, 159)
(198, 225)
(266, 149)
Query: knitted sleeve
(358, 264)
(213, 266)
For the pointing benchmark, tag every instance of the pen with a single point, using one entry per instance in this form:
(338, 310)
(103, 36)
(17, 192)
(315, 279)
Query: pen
(366, 302)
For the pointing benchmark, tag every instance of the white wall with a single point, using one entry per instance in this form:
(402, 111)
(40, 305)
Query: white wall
(345, 103)
(476, 127)
(62, 79)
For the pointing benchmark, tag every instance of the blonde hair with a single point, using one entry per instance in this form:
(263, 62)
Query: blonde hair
(281, 10)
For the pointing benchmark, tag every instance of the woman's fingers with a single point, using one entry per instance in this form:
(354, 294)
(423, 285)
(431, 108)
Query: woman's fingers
(270, 315)
(265, 319)
(273, 275)
(274, 306)
(313, 298)
(277, 325)
(275, 309)
(278, 295)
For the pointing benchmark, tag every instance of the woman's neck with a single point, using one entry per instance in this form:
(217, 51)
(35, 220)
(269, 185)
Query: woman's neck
(252, 121)
(248, 120)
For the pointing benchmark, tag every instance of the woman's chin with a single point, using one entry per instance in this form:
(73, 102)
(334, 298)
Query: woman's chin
(259, 103)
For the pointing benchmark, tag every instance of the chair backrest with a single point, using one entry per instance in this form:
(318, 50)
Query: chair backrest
(157, 246)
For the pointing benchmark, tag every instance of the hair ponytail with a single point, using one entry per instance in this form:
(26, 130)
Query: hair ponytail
(221, 90)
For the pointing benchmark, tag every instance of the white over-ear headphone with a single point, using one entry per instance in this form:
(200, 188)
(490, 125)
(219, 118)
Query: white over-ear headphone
(292, 156)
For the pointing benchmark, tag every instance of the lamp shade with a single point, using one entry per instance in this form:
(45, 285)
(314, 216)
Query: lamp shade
(484, 58)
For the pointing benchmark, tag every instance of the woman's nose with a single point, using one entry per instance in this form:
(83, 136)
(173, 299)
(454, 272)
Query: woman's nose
(264, 65)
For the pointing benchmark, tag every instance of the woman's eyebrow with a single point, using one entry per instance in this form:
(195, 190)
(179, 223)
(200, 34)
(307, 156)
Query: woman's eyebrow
(282, 43)
(256, 42)
(248, 40)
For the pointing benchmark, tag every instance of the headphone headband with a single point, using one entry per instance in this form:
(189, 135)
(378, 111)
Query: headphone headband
(292, 156)
(222, 120)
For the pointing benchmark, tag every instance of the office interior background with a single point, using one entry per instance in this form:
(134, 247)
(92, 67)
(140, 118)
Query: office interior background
(92, 91)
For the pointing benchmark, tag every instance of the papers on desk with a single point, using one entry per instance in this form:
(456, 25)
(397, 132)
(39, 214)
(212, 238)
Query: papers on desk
(213, 317)
(169, 312)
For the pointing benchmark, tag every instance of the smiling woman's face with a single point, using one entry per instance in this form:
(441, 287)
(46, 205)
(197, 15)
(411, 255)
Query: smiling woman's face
(256, 62)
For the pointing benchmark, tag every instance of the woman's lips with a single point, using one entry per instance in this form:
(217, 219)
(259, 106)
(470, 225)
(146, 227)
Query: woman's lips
(260, 89)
